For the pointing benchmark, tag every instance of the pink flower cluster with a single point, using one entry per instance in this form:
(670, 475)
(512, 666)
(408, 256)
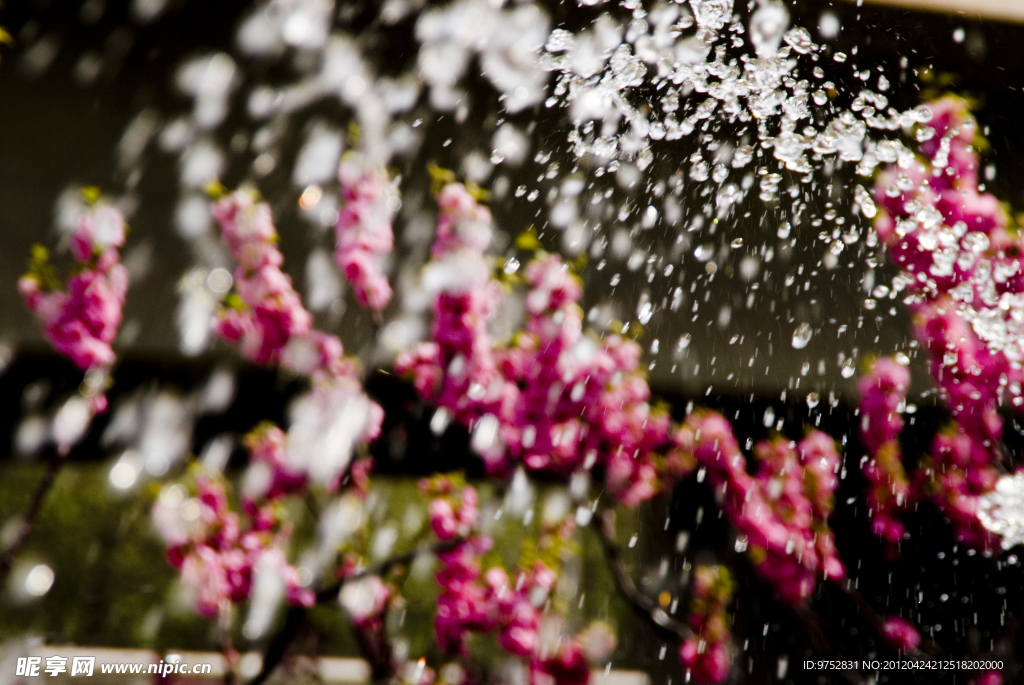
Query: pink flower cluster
(265, 315)
(81, 322)
(882, 392)
(961, 265)
(270, 477)
(472, 600)
(464, 223)
(369, 203)
(706, 653)
(958, 473)
(992, 677)
(458, 369)
(964, 273)
(268, 313)
(567, 666)
(556, 399)
(365, 600)
(216, 558)
(783, 510)
(900, 634)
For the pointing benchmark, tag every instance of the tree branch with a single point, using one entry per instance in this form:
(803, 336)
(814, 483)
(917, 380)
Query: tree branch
(929, 649)
(227, 647)
(648, 609)
(812, 628)
(642, 605)
(331, 591)
(296, 617)
(34, 507)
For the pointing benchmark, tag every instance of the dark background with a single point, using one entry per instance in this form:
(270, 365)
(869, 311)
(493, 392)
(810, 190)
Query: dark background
(54, 132)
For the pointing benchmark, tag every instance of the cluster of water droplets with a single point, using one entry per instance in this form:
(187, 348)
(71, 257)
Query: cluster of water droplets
(1002, 510)
(677, 71)
(740, 88)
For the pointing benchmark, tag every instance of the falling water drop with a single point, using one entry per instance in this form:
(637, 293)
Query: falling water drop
(766, 28)
(802, 336)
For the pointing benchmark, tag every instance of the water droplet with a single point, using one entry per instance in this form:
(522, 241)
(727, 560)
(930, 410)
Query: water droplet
(767, 25)
(802, 336)
(712, 14)
(439, 421)
(799, 39)
(39, 580)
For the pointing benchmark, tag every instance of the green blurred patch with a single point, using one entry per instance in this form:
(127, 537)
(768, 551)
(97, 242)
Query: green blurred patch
(114, 588)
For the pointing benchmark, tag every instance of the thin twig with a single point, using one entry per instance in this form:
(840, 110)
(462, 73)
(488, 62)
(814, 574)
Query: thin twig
(227, 646)
(811, 623)
(331, 591)
(34, 507)
(642, 605)
(929, 649)
(374, 645)
(648, 609)
(296, 617)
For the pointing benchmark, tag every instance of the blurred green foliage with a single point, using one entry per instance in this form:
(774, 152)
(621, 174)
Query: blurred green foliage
(113, 586)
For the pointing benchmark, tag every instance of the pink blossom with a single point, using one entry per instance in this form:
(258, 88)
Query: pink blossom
(949, 286)
(883, 391)
(708, 667)
(563, 399)
(365, 600)
(782, 510)
(567, 667)
(900, 634)
(442, 519)
(364, 235)
(266, 319)
(216, 549)
(82, 322)
(991, 677)
(706, 652)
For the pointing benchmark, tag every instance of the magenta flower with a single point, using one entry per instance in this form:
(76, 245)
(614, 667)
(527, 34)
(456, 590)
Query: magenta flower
(567, 667)
(782, 510)
(991, 677)
(216, 555)
(706, 652)
(81, 323)
(369, 203)
(265, 317)
(883, 391)
(962, 271)
(556, 399)
(900, 634)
